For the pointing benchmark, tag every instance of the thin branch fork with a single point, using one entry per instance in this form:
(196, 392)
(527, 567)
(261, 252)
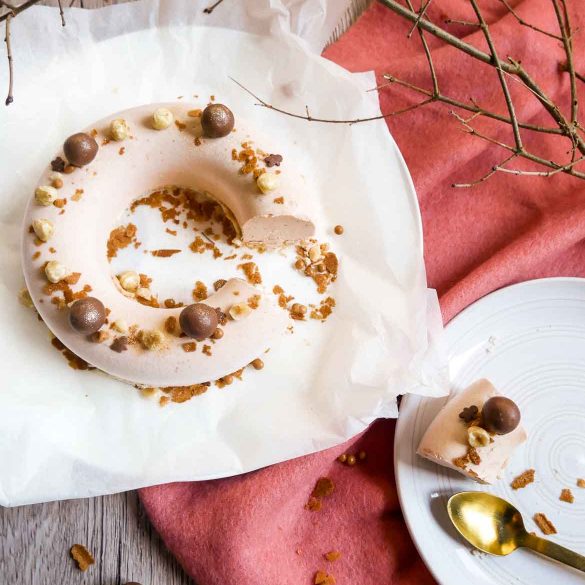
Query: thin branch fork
(527, 24)
(511, 66)
(307, 116)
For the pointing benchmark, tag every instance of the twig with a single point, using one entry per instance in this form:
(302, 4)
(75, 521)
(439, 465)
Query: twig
(565, 28)
(527, 24)
(505, 90)
(542, 173)
(474, 108)
(61, 13)
(421, 13)
(489, 174)
(309, 118)
(523, 153)
(463, 22)
(511, 66)
(211, 8)
(9, 97)
(427, 51)
(16, 10)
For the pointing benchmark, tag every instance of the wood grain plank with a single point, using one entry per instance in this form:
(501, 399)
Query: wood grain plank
(35, 540)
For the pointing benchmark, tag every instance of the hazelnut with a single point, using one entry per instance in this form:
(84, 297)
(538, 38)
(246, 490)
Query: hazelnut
(152, 340)
(267, 182)
(55, 271)
(239, 311)
(119, 129)
(144, 293)
(44, 229)
(129, 281)
(162, 119)
(120, 326)
(477, 437)
(315, 253)
(45, 195)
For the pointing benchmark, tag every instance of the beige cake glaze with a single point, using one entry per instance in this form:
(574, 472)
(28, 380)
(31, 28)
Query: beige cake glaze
(446, 437)
(151, 159)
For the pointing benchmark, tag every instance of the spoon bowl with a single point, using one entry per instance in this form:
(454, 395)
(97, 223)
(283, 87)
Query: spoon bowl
(489, 523)
(495, 526)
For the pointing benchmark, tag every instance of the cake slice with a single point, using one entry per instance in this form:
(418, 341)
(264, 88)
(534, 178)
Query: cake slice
(475, 433)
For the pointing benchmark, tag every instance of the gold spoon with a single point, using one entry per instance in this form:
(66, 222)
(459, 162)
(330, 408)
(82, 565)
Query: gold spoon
(496, 527)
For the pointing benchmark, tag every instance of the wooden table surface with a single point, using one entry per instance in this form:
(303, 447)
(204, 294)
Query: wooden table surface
(35, 540)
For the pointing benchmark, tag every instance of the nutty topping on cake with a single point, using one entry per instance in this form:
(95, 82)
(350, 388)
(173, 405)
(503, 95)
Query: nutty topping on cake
(217, 121)
(332, 556)
(151, 340)
(80, 149)
(469, 413)
(172, 326)
(165, 253)
(119, 344)
(200, 291)
(239, 311)
(189, 347)
(500, 415)
(219, 284)
(119, 129)
(198, 321)
(524, 479)
(58, 165)
(273, 160)
(162, 118)
(477, 437)
(87, 315)
(120, 238)
(267, 182)
(567, 496)
(338, 230)
(581, 483)
(250, 269)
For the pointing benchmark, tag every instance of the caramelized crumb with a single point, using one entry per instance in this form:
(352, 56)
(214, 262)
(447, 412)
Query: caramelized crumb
(567, 496)
(250, 269)
(332, 556)
(165, 253)
(525, 478)
(545, 525)
(81, 556)
(200, 291)
(189, 347)
(121, 238)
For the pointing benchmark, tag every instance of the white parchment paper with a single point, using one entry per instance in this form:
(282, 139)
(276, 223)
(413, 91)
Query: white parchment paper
(67, 434)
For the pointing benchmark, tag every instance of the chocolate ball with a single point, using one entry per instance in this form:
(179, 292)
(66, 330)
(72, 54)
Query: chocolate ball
(500, 415)
(198, 321)
(80, 149)
(87, 315)
(217, 121)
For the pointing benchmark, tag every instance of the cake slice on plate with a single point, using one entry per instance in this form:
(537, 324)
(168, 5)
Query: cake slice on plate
(475, 433)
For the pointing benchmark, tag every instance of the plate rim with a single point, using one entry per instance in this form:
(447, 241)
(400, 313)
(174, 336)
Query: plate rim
(410, 401)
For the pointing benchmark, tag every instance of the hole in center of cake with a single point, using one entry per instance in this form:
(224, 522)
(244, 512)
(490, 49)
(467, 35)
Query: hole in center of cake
(173, 246)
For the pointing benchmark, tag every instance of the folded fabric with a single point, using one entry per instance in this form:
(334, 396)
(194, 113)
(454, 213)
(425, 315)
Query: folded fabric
(255, 529)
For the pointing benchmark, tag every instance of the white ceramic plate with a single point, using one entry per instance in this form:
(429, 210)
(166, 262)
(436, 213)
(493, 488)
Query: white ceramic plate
(529, 340)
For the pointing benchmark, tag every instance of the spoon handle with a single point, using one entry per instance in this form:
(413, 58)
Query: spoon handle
(555, 551)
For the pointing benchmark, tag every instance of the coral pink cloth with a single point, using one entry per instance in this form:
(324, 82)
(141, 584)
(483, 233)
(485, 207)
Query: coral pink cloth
(253, 529)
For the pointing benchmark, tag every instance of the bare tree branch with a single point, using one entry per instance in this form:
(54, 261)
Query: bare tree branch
(505, 90)
(527, 24)
(9, 97)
